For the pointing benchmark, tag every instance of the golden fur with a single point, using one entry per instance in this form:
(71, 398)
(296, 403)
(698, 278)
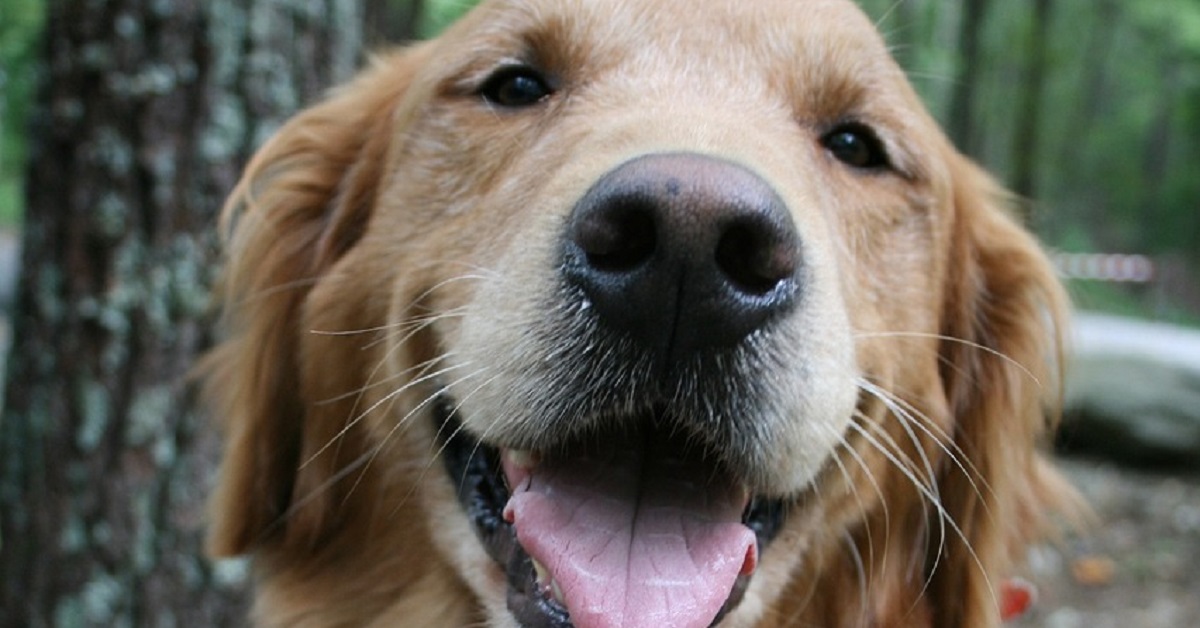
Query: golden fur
(404, 227)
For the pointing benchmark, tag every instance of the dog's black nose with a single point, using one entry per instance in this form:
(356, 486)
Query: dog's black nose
(683, 252)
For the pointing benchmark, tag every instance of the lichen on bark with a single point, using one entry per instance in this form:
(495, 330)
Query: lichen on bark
(146, 114)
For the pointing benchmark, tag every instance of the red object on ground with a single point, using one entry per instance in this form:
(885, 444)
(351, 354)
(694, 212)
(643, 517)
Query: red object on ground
(1017, 596)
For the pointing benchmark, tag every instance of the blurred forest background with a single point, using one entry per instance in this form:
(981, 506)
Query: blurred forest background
(1089, 108)
(123, 123)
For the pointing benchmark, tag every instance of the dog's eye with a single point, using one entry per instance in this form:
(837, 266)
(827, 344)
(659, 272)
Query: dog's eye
(516, 86)
(856, 145)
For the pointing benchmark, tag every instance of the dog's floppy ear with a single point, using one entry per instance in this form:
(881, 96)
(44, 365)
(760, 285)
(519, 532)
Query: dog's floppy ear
(1001, 361)
(303, 202)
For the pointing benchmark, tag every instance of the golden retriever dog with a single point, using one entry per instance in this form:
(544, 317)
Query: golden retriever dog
(600, 313)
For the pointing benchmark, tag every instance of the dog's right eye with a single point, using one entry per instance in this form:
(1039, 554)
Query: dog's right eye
(857, 145)
(515, 87)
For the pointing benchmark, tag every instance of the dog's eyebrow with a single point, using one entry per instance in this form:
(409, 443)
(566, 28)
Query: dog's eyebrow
(466, 72)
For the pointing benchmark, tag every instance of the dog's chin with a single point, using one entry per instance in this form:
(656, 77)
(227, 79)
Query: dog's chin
(639, 523)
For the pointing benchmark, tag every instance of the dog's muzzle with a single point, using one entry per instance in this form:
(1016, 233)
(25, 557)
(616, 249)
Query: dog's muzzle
(635, 508)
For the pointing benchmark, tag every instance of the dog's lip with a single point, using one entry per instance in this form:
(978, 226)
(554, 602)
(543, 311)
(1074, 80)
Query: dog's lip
(482, 475)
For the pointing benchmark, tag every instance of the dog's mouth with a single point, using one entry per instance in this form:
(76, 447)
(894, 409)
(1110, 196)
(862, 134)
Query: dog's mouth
(638, 527)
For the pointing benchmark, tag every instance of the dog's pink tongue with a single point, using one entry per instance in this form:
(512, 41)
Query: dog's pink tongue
(633, 539)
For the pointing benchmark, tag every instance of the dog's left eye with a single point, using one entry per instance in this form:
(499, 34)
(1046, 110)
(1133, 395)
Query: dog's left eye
(516, 86)
(855, 144)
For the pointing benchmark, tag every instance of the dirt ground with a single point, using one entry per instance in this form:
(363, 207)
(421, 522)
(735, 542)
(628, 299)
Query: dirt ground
(1138, 568)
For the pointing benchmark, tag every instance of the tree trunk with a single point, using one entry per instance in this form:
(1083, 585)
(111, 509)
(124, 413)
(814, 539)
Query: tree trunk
(1029, 115)
(1157, 150)
(390, 21)
(145, 116)
(1084, 118)
(961, 125)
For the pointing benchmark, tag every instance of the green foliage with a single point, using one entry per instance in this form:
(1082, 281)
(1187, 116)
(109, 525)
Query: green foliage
(1176, 21)
(20, 26)
(1116, 155)
(438, 14)
(1137, 301)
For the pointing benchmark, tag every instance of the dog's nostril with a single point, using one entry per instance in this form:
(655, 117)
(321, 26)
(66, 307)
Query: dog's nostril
(619, 239)
(753, 259)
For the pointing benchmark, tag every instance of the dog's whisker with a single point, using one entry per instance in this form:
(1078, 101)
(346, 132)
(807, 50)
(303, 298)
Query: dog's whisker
(362, 331)
(908, 431)
(389, 330)
(931, 498)
(908, 464)
(421, 371)
(906, 411)
(433, 458)
(902, 462)
(414, 326)
(374, 382)
(458, 429)
(414, 323)
(482, 437)
(385, 399)
(887, 14)
(302, 501)
(907, 414)
(420, 298)
(860, 572)
(862, 508)
(940, 77)
(932, 483)
(846, 447)
(895, 454)
(383, 442)
(967, 343)
(944, 517)
(424, 467)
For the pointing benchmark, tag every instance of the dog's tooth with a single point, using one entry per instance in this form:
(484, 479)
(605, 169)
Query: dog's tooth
(556, 591)
(543, 574)
(522, 459)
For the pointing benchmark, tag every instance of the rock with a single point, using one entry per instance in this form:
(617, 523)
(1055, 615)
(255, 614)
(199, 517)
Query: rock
(1133, 393)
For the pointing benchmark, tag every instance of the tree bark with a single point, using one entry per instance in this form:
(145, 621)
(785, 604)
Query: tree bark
(391, 21)
(961, 124)
(144, 118)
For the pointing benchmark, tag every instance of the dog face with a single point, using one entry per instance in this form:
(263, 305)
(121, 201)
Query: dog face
(614, 314)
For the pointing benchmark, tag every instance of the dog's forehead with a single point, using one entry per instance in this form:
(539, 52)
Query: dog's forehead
(803, 34)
